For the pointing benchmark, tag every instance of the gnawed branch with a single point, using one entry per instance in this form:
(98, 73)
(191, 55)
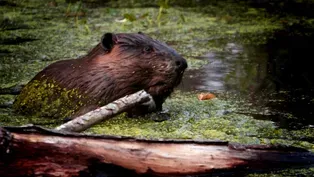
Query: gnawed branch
(91, 118)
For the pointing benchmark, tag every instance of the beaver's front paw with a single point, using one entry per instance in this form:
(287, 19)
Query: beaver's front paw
(160, 116)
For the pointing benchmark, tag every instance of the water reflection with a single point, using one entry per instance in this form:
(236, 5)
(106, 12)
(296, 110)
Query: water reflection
(237, 68)
(277, 75)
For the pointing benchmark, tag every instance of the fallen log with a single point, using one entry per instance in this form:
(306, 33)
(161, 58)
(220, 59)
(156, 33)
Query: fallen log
(35, 151)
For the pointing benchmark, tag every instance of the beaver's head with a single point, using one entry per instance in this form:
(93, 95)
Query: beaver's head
(136, 61)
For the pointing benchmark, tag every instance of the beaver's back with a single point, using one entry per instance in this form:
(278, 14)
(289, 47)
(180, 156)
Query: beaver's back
(46, 96)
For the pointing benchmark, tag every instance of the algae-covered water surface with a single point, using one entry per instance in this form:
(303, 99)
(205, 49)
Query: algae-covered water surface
(254, 59)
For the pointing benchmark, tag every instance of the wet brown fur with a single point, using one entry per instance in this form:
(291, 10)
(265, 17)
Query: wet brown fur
(112, 70)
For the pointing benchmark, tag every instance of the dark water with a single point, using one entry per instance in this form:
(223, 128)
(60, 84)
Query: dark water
(278, 75)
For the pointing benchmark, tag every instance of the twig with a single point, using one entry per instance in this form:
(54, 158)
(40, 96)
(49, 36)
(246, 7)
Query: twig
(91, 118)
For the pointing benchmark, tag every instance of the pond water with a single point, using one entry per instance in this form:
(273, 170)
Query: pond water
(257, 64)
(277, 75)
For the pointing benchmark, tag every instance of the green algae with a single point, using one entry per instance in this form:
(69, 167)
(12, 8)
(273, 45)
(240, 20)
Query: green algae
(191, 31)
(60, 36)
(9, 118)
(211, 119)
(286, 172)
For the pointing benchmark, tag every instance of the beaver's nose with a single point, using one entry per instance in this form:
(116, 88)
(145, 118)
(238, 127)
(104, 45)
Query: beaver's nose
(181, 64)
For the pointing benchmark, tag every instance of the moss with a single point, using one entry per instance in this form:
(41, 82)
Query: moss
(47, 98)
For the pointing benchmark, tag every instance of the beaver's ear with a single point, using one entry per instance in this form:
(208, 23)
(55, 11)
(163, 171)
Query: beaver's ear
(108, 40)
(140, 32)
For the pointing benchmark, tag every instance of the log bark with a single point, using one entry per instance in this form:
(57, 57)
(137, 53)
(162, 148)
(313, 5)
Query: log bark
(41, 152)
(91, 118)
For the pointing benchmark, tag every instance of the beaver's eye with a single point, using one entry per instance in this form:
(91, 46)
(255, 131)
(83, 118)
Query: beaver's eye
(147, 49)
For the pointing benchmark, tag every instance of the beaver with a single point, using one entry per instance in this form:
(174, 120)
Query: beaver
(120, 64)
